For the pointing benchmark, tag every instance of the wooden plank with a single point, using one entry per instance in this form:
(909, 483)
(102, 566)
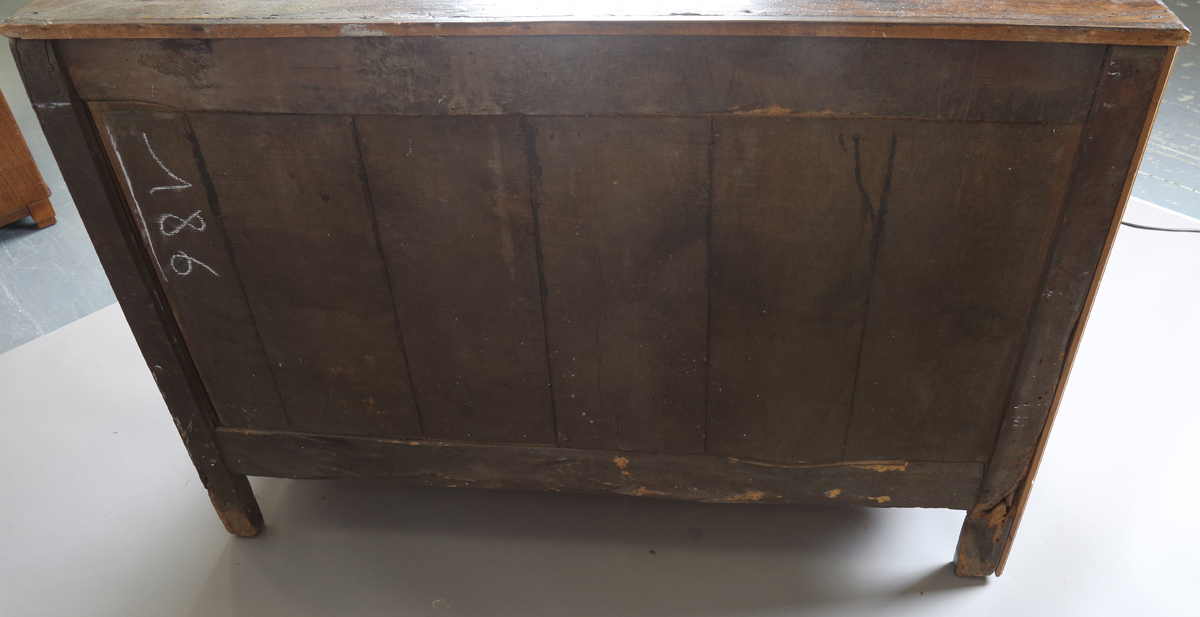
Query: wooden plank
(20, 181)
(73, 140)
(452, 200)
(591, 75)
(175, 211)
(293, 204)
(967, 227)
(622, 206)
(675, 476)
(795, 216)
(1130, 22)
(1112, 142)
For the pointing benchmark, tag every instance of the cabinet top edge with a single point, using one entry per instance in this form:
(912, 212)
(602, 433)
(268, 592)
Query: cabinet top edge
(1111, 22)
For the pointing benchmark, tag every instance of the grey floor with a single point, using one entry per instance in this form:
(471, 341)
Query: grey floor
(103, 515)
(48, 277)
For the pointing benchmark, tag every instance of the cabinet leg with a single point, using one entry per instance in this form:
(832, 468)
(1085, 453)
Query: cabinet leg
(234, 501)
(42, 213)
(981, 545)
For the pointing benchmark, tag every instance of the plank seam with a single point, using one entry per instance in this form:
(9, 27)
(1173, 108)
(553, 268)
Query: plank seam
(365, 183)
(534, 174)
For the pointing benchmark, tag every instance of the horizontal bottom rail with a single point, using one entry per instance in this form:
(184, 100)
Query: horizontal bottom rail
(693, 477)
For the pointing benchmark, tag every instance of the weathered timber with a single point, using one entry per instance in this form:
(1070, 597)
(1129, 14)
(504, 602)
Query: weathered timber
(1129, 22)
(951, 80)
(966, 221)
(452, 201)
(675, 476)
(294, 206)
(74, 141)
(175, 208)
(622, 205)
(1113, 137)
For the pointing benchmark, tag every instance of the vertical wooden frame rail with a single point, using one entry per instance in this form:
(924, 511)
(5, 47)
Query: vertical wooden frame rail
(1130, 87)
(75, 143)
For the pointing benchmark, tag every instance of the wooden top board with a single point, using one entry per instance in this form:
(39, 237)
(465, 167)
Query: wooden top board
(1117, 22)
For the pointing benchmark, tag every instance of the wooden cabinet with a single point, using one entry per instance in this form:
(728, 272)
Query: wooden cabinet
(748, 256)
(22, 191)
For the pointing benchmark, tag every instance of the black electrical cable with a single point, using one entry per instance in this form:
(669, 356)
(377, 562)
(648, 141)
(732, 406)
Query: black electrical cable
(1185, 231)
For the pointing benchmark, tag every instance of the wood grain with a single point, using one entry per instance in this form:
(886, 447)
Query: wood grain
(1021, 499)
(590, 75)
(293, 203)
(968, 224)
(68, 128)
(1112, 141)
(622, 206)
(675, 476)
(21, 183)
(794, 220)
(157, 163)
(452, 199)
(1129, 22)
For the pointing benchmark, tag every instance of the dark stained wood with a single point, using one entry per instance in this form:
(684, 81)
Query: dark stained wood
(1129, 22)
(898, 230)
(293, 204)
(1113, 139)
(622, 207)
(174, 208)
(676, 476)
(795, 212)
(73, 140)
(589, 75)
(452, 199)
(967, 224)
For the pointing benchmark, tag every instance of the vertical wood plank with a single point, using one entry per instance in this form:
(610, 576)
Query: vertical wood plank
(971, 211)
(68, 127)
(795, 213)
(156, 159)
(623, 212)
(293, 203)
(452, 199)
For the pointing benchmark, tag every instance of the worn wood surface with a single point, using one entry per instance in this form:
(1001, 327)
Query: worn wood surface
(590, 75)
(1111, 142)
(1129, 22)
(929, 236)
(66, 122)
(967, 219)
(725, 268)
(452, 200)
(293, 203)
(790, 193)
(175, 209)
(1021, 499)
(21, 184)
(622, 207)
(678, 476)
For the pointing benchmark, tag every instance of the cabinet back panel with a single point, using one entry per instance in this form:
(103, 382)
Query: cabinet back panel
(687, 284)
(176, 211)
(294, 206)
(453, 203)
